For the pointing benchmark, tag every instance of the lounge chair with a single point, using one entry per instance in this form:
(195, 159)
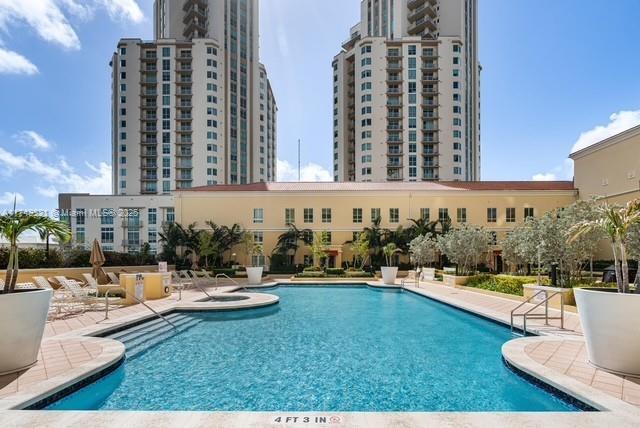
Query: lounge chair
(79, 294)
(178, 282)
(113, 278)
(200, 278)
(62, 301)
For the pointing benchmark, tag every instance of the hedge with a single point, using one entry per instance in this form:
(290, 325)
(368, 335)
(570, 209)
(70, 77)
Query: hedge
(311, 274)
(359, 274)
(36, 258)
(334, 271)
(507, 284)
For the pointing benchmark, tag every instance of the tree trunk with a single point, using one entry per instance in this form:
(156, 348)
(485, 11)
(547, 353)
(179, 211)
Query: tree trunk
(625, 268)
(618, 271)
(590, 269)
(637, 281)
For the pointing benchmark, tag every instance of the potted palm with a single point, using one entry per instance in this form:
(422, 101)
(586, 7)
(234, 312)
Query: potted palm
(610, 317)
(23, 313)
(252, 248)
(389, 272)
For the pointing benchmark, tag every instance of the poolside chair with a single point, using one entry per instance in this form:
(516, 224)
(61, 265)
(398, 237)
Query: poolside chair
(199, 278)
(62, 301)
(178, 282)
(113, 278)
(79, 294)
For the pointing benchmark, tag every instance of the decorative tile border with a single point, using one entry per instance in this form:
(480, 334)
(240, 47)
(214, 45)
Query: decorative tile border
(514, 352)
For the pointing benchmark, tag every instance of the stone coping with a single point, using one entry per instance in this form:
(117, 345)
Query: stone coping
(111, 351)
(382, 285)
(253, 300)
(130, 419)
(514, 352)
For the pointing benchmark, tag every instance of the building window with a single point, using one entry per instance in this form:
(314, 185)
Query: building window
(492, 215)
(80, 216)
(443, 214)
(375, 214)
(528, 212)
(106, 235)
(511, 215)
(425, 214)
(357, 215)
(394, 215)
(326, 215)
(152, 215)
(80, 236)
(289, 216)
(171, 215)
(308, 215)
(106, 216)
(462, 215)
(258, 215)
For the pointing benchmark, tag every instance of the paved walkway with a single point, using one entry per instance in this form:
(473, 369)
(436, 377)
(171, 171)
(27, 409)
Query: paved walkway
(568, 357)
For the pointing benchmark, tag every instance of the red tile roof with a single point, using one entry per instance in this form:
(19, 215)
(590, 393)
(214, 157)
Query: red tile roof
(387, 186)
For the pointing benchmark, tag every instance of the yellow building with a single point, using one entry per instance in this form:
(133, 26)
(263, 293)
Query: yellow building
(610, 168)
(267, 209)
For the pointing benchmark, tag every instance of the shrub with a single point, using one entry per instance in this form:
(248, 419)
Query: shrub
(311, 274)
(359, 274)
(313, 269)
(502, 283)
(335, 271)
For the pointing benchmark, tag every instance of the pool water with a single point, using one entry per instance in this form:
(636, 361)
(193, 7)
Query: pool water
(323, 349)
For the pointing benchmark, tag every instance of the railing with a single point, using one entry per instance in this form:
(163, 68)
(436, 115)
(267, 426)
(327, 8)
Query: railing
(133, 296)
(221, 275)
(529, 315)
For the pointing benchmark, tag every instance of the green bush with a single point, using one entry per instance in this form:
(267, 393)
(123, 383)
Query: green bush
(313, 269)
(335, 271)
(311, 274)
(359, 274)
(502, 283)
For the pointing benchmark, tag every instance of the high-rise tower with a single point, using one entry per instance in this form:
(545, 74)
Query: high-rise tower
(406, 93)
(194, 106)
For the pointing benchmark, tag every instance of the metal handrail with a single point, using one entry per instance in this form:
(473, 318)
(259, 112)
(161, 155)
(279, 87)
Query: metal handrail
(545, 316)
(158, 314)
(220, 275)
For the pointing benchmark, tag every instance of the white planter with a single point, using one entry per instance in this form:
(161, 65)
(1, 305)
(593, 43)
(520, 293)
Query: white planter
(611, 327)
(23, 316)
(454, 280)
(389, 274)
(254, 275)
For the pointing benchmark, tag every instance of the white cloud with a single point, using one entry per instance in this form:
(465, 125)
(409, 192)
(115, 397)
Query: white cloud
(33, 139)
(14, 63)
(8, 198)
(618, 122)
(44, 16)
(93, 179)
(47, 192)
(125, 10)
(560, 172)
(308, 172)
(47, 18)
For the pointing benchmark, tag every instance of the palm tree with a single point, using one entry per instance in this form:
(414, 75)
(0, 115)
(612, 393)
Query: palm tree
(289, 241)
(225, 237)
(422, 227)
(191, 241)
(171, 238)
(376, 237)
(389, 251)
(13, 225)
(616, 222)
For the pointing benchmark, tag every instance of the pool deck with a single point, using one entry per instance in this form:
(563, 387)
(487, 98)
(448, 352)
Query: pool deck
(557, 356)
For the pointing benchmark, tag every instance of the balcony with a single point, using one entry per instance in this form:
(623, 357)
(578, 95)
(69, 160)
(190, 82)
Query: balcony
(419, 25)
(195, 11)
(421, 11)
(129, 224)
(429, 78)
(191, 3)
(430, 90)
(394, 53)
(395, 65)
(394, 78)
(196, 27)
(394, 174)
(429, 65)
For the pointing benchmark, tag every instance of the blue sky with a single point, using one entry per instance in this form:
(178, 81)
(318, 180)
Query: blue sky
(556, 74)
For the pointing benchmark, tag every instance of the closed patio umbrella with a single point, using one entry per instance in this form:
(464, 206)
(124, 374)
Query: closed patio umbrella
(97, 260)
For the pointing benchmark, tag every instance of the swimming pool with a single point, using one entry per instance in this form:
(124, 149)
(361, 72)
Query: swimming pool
(320, 349)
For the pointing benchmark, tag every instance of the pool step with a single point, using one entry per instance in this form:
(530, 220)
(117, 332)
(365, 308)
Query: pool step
(140, 338)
